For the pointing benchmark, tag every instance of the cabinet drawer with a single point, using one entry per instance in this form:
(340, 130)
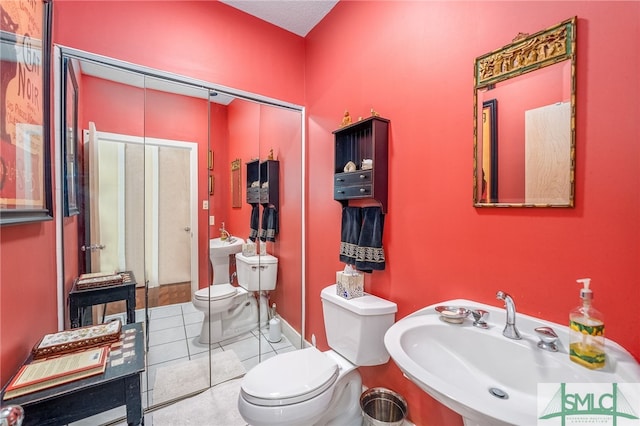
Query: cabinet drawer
(345, 192)
(264, 195)
(353, 178)
(253, 195)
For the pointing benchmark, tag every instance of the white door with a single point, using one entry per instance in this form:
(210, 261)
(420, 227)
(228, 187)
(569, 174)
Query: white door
(174, 222)
(548, 154)
(116, 204)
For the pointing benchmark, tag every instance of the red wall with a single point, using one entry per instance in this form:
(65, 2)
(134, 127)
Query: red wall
(413, 63)
(220, 201)
(205, 40)
(280, 131)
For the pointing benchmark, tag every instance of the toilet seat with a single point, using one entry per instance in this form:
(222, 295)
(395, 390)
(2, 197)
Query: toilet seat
(289, 378)
(215, 292)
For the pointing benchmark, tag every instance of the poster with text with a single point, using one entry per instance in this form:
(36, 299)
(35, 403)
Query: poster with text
(23, 152)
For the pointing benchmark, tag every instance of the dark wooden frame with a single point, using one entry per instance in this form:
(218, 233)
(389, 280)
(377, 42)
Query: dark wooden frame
(37, 49)
(492, 190)
(70, 138)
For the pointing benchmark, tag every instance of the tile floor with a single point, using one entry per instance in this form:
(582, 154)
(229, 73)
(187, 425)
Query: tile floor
(173, 338)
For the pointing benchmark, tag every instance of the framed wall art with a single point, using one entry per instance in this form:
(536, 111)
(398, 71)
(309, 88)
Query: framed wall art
(25, 155)
(236, 184)
(70, 140)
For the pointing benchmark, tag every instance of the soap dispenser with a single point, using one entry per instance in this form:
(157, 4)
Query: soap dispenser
(586, 346)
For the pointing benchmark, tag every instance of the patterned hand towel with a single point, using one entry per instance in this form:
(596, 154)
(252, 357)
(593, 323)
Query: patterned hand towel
(370, 254)
(350, 233)
(270, 224)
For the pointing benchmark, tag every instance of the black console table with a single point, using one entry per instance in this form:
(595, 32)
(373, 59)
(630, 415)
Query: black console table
(81, 299)
(118, 385)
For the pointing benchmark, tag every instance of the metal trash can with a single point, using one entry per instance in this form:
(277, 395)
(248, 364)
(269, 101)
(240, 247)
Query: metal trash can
(382, 407)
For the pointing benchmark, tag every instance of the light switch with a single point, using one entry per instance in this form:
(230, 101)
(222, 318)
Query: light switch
(212, 220)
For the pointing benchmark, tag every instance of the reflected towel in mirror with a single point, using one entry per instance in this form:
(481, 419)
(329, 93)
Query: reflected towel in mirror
(270, 225)
(255, 220)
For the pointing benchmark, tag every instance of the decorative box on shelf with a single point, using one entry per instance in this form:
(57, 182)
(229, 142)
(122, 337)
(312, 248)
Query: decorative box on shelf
(350, 285)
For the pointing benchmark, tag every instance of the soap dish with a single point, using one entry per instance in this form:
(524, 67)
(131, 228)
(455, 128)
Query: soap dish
(452, 314)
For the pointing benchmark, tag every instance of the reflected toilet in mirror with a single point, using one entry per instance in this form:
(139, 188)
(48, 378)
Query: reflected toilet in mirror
(230, 310)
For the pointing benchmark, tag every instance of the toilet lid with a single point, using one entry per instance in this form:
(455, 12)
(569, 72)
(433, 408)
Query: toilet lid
(216, 292)
(289, 378)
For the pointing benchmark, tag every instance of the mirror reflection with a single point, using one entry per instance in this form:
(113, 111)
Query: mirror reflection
(146, 209)
(524, 145)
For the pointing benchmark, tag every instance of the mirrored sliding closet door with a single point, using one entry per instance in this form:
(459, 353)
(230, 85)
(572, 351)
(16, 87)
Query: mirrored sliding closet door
(158, 176)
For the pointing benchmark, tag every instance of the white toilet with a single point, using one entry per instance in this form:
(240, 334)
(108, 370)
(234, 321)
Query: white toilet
(309, 387)
(230, 311)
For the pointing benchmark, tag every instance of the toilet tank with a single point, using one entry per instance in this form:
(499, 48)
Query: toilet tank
(257, 273)
(355, 327)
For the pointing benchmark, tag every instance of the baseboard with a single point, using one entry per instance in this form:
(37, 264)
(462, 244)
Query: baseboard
(291, 333)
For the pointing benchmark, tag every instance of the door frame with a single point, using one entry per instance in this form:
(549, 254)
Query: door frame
(192, 147)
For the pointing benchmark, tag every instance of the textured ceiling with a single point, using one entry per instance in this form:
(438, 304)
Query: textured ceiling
(297, 16)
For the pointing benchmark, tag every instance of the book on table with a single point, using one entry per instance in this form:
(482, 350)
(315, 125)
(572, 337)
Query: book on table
(57, 370)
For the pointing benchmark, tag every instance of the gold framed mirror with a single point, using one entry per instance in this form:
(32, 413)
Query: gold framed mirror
(236, 184)
(524, 121)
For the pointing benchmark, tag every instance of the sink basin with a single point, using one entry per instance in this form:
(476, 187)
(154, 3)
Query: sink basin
(486, 377)
(221, 248)
(220, 251)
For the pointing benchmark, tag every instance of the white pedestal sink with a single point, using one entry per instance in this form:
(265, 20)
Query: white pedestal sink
(490, 379)
(219, 251)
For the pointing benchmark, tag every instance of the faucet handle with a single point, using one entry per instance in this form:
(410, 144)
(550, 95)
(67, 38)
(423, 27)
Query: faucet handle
(548, 338)
(479, 317)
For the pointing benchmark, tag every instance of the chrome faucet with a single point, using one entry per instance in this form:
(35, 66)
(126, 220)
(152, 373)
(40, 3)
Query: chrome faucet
(230, 238)
(510, 329)
(226, 235)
